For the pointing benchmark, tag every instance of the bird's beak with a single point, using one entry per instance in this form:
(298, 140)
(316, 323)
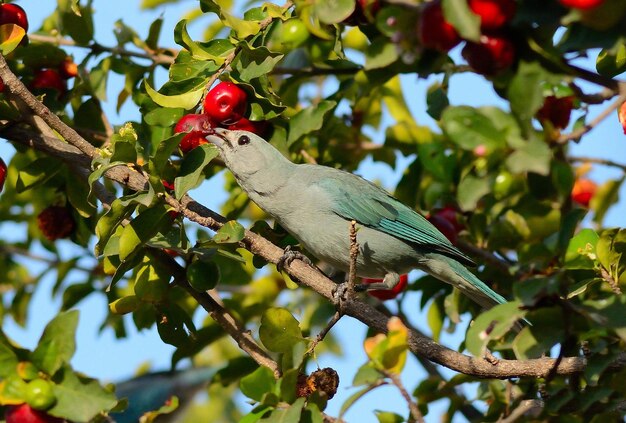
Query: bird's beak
(218, 137)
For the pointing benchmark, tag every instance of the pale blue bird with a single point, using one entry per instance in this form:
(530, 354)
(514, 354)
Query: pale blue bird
(316, 203)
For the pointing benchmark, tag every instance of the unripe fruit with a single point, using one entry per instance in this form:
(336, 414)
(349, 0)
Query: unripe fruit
(13, 14)
(581, 4)
(48, 79)
(55, 222)
(583, 191)
(203, 275)
(493, 14)
(23, 413)
(434, 31)
(3, 173)
(387, 294)
(294, 33)
(243, 124)
(491, 55)
(225, 103)
(556, 110)
(39, 394)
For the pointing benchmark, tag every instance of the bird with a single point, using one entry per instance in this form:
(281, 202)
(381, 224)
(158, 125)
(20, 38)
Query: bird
(151, 391)
(316, 204)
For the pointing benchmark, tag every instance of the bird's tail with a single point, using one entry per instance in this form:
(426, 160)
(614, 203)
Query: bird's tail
(451, 271)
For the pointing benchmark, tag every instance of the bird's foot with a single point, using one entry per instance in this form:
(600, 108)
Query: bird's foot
(389, 282)
(290, 255)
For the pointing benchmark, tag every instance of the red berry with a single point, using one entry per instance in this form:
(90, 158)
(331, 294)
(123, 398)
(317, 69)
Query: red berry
(386, 294)
(55, 222)
(48, 79)
(3, 173)
(433, 30)
(225, 103)
(1, 85)
(68, 69)
(13, 14)
(451, 214)
(444, 226)
(364, 12)
(243, 124)
(194, 122)
(191, 141)
(491, 55)
(493, 14)
(23, 413)
(583, 191)
(581, 4)
(556, 110)
(167, 184)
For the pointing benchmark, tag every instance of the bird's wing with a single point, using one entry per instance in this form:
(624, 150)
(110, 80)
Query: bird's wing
(373, 207)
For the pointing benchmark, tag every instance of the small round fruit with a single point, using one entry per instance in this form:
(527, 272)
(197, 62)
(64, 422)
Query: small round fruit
(68, 69)
(581, 4)
(254, 126)
(444, 226)
(294, 33)
(506, 184)
(493, 14)
(48, 79)
(13, 14)
(556, 110)
(24, 413)
(27, 370)
(194, 122)
(434, 31)
(55, 222)
(203, 275)
(191, 141)
(491, 55)
(3, 173)
(225, 103)
(583, 191)
(39, 394)
(387, 294)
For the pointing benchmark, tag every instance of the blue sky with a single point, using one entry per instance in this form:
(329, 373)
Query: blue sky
(101, 355)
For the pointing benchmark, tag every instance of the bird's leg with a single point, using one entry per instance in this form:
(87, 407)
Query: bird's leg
(389, 282)
(290, 255)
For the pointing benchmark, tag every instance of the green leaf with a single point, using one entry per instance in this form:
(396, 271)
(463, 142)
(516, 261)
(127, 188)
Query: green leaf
(611, 252)
(79, 399)
(36, 173)
(606, 195)
(279, 330)
(612, 62)
(381, 53)
(534, 157)
(292, 414)
(437, 100)
(333, 11)
(253, 63)
(526, 91)
(163, 116)
(466, 23)
(8, 359)
(230, 232)
(435, 319)
(492, 324)
(393, 97)
(470, 190)
(187, 100)
(142, 228)
(258, 383)
(215, 50)
(388, 417)
(469, 127)
(581, 250)
(308, 120)
(190, 174)
(57, 343)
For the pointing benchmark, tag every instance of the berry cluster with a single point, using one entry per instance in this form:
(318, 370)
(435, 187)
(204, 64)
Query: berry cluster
(224, 106)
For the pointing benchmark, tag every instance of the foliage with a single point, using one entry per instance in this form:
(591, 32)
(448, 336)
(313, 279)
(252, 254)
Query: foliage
(335, 96)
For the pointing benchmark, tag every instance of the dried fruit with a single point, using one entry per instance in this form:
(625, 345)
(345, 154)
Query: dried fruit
(56, 222)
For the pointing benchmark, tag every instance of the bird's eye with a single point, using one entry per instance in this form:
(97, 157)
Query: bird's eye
(243, 140)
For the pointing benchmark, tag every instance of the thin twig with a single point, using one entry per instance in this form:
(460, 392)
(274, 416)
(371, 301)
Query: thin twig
(354, 255)
(395, 380)
(578, 133)
(320, 336)
(526, 407)
(611, 281)
(604, 162)
(596, 98)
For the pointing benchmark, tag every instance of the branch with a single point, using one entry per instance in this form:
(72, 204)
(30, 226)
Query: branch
(605, 162)
(415, 412)
(578, 133)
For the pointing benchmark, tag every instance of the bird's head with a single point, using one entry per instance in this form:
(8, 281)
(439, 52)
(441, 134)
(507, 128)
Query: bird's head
(245, 153)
